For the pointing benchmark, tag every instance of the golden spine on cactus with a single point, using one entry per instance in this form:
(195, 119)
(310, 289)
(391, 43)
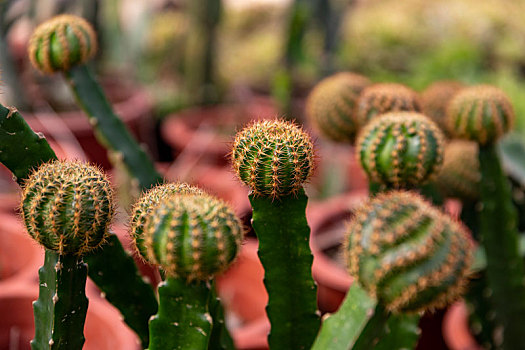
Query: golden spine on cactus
(331, 105)
(273, 157)
(61, 43)
(460, 174)
(147, 202)
(408, 254)
(400, 149)
(193, 236)
(435, 98)
(385, 97)
(481, 113)
(67, 206)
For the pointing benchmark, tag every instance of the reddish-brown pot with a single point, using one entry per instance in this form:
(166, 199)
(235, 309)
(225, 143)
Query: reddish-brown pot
(456, 330)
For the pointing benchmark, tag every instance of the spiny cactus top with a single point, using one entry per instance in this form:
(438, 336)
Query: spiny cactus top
(382, 98)
(67, 206)
(435, 99)
(191, 236)
(274, 158)
(460, 175)
(331, 105)
(62, 42)
(481, 113)
(147, 202)
(407, 253)
(400, 149)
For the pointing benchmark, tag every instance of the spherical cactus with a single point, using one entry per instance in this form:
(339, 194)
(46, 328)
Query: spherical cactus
(407, 254)
(61, 43)
(460, 175)
(331, 105)
(274, 158)
(400, 149)
(382, 98)
(67, 206)
(481, 113)
(435, 98)
(147, 202)
(191, 236)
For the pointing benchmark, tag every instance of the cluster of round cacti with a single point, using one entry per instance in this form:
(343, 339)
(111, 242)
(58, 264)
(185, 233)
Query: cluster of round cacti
(435, 98)
(400, 149)
(407, 254)
(331, 105)
(61, 43)
(188, 233)
(274, 158)
(67, 206)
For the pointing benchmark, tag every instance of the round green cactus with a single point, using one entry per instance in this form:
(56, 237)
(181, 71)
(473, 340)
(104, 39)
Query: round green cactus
(61, 43)
(460, 175)
(408, 254)
(400, 149)
(190, 236)
(274, 158)
(67, 206)
(149, 200)
(435, 98)
(331, 105)
(382, 98)
(481, 113)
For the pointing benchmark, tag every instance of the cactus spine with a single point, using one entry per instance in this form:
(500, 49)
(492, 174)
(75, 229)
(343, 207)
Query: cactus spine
(435, 98)
(331, 105)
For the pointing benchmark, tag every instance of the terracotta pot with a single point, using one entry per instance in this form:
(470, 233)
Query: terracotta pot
(456, 329)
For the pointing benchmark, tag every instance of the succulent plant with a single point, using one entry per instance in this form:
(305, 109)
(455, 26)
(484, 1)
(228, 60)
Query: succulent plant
(274, 158)
(435, 98)
(331, 105)
(61, 43)
(400, 149)
(408, 254)
(481, 113)
(385, 97)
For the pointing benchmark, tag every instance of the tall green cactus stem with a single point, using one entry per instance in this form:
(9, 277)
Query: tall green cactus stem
(400, 149)
(331, 105)
(192, 237)
(274, 159)
(66, 207)
(45, 52)
(481, 113)
(435, 99)
(386, 97)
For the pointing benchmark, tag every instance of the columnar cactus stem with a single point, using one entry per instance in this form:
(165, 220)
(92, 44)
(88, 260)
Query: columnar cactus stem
(274, 158)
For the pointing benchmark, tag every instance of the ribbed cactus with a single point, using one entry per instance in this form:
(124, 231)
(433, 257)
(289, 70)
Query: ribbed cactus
(400, 149)
(435, 99)
(61, 43)
(331, 105)
(481, 113)
(274, 158)
(386, 97)
(408, 254)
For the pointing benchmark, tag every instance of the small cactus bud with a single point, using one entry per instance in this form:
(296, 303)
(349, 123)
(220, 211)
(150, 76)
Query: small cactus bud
(400, 149)
(481, 113)
(67, 206)
(149, 200)
(460, 175)
(61, 43)
(191, 236)
(408, 254)
(331, 105)
(274, 158)
(435, 99)
(382, 98)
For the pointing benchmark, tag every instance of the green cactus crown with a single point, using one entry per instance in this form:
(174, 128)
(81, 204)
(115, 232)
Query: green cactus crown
(331, 105)
(61, 43)
(481, 113)
(400, 149)
(274, 158)
(435, 98)
(190, 236)
(67, 206)
(408, 254)
(382, 98)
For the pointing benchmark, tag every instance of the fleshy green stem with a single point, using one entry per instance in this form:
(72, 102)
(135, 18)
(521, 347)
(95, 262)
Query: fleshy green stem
(283, 235)
(183, 320)
(220, 338)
